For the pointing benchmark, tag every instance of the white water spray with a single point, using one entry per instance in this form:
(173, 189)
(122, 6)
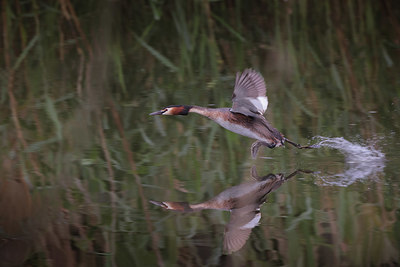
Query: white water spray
(362, 162)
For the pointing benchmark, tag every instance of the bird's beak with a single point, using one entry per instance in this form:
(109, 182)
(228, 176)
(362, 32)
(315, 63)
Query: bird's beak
(160, 112)
(160, 204)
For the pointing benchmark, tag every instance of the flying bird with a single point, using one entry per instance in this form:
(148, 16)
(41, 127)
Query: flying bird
(245, 117)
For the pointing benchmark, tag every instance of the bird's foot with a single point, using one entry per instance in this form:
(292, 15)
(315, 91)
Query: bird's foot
(256, 146)
(300, 146)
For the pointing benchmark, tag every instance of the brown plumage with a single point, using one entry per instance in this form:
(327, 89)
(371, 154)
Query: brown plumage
(249, 103)
(243, 201)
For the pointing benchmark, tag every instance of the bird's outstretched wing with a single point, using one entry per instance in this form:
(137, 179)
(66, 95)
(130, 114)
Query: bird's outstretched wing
(249, 93)
(238, 230)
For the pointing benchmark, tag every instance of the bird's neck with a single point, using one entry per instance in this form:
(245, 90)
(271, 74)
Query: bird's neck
(213, 204)
(207, 112)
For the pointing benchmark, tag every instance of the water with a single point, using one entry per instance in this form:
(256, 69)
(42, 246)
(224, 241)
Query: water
(87, 175)
(362, 162)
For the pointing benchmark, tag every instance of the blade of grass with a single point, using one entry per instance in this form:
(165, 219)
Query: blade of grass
(24, 53)
(37, 146)
(164, 60)
(229, 28)
(338, 81)
(52, 113)
(118, 56)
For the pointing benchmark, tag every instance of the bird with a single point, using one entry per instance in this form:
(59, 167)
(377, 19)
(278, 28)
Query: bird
(245, 117)
(243, 201)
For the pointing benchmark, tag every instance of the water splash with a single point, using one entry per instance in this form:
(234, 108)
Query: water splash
(362, 161)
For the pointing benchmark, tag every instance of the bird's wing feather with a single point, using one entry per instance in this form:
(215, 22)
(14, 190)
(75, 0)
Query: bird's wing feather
(249, 93)
(238, 230)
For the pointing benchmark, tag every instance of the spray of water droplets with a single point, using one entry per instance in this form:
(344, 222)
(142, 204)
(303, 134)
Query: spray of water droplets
(362, 161)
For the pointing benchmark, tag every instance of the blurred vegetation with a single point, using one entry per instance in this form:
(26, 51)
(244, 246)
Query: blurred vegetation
(78, 79)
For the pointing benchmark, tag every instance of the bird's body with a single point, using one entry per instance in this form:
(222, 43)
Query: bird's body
(243, 201)
(255, 127)
(245, 117)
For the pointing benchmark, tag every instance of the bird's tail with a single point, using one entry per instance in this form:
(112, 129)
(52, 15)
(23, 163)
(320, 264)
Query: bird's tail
(298, 145)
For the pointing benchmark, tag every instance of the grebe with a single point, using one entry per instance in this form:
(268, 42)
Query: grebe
(243, 201)
(245, 117)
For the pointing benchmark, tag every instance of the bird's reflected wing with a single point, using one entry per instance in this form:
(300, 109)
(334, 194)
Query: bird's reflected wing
(235, 240)
(249, 93)
(238, 230)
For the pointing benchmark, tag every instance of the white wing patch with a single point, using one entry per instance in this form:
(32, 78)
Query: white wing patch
(260, 103)
(253, 223)
(264, 102)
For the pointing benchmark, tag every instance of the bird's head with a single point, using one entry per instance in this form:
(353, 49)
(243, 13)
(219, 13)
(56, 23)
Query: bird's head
(177, 206)
(173, 110)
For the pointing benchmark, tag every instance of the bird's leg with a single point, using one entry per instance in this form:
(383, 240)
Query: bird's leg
(296, 172)
(256, 146)
(298, 145)
(255, 175)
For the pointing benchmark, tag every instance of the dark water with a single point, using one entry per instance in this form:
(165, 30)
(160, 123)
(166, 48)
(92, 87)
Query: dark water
(88, 178)
(334, 209)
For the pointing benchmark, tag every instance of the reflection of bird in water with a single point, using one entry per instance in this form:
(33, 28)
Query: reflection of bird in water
(246, 115)
(243, 201)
